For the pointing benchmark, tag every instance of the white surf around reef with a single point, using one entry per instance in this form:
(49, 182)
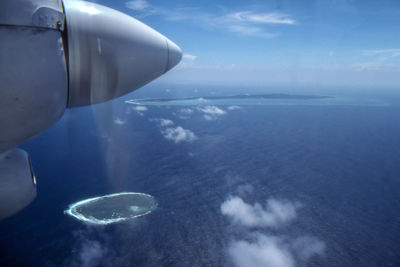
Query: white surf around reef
(112, 208)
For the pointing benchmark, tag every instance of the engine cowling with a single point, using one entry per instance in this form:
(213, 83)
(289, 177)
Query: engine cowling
(56, 55)
(17, 182)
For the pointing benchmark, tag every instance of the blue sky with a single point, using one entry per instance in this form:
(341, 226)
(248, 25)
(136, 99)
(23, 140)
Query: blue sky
(329, 43)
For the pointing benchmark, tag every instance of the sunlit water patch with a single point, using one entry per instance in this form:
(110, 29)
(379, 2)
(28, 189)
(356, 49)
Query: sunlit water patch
(112, 208)
(271, 99)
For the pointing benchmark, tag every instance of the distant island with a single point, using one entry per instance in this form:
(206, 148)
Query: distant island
(260, 99)
(243, 96)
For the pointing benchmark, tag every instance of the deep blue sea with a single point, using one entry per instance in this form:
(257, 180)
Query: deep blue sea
(336, 166)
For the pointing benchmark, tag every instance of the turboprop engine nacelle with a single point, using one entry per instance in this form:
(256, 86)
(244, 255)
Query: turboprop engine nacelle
(60, 54)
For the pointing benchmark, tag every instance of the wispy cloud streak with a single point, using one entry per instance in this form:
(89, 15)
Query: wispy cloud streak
(387, 52)
(261, 18)
(245, 22)
(379, 59)
(137, 4)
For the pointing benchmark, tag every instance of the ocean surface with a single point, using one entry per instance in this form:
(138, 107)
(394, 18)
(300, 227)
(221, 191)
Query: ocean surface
(237, 183)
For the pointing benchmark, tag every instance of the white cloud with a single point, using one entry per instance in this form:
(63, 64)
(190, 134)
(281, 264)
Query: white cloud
(140, 108)
(250, 31)
(137, 5)
(209, 117)
(264, 251)
(119, 121)
(87, 252)
(234, 107)
(390, 52)
(273, 251)
(261, 18)
(163, 122)
(274, 214)
(178, 134)
(186, 111)
(245, 22)
(189, 57)
(380, 59)
(305, 247)
(187, 61)
(91, 254)
(211, 112)
(370, 65)
(249, 23)
(166, 122)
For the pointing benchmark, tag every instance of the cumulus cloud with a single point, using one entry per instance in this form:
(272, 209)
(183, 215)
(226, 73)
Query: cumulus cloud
(274, 214)
(163, 122)
(137, 5)
(186, 111)
(119, 121)
(211, 112)
(209, 117)
(178, 134)
(234, 108)
(140, 109)
(261, 252)
(175, 134)
(273, 251)
(263, 249)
